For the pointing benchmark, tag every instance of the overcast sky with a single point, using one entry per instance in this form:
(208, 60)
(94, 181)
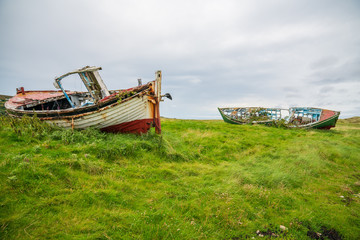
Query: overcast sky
(270, 53)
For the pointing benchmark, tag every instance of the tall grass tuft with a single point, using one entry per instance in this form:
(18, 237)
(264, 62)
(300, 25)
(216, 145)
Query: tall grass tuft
(27, 126)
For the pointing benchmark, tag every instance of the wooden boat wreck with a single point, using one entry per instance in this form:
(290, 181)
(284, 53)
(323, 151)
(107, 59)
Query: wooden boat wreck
(132, 110)
(296, 117)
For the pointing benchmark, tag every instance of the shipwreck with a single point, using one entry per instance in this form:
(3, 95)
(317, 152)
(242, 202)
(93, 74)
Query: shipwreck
(295, 117)
(133, 110)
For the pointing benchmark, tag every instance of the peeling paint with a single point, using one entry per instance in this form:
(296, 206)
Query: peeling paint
(78, 111)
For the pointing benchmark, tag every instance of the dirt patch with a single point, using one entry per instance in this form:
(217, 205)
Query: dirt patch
(325, 233)
(268, 233)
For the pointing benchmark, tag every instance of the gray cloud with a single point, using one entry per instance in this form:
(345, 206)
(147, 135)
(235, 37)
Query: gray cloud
(324, 62)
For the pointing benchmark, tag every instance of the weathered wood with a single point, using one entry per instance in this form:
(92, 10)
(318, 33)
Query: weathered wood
(132, 110)
(85, 69)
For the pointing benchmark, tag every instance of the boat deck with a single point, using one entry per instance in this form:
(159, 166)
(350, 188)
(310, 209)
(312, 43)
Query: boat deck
(29, 97)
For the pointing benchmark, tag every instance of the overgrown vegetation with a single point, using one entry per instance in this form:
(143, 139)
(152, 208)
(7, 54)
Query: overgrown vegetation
(125, 94)
(199, 180)
(3, 99)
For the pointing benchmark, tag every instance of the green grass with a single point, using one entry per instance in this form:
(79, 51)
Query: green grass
(199, 180)
(3, 99)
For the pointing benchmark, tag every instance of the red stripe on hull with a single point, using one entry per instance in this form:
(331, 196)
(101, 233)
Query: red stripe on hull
(137, 126)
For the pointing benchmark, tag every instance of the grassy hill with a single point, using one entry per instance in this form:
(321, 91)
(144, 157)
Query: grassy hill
(353, 120)
(199, 180)
(3, 99)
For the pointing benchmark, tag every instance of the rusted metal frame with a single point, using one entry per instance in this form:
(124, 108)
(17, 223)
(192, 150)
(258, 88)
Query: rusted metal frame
(72, 124)
(157, 117)
(157, 93)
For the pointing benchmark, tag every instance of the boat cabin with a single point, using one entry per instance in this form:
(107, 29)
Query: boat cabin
(96, 87)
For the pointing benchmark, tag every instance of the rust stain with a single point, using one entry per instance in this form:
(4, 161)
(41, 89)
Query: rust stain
(104, 116)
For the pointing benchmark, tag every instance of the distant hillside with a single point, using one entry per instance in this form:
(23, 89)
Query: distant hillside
(3, 99)
(350, 120)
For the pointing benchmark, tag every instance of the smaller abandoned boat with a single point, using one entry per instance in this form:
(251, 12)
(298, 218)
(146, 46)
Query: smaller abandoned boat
(296, 117)
(132, 110)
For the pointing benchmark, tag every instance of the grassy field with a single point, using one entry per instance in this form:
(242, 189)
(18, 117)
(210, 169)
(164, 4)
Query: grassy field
(3, 99)
(199, 180)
